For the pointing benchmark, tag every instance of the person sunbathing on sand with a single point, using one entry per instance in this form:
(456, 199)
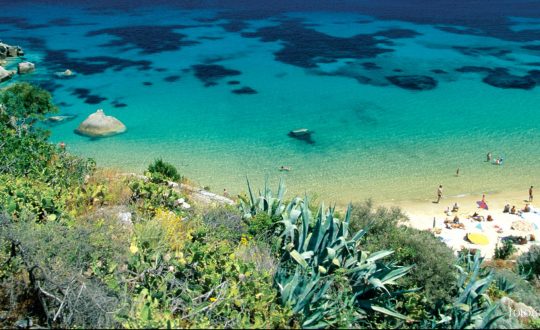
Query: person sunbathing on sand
(513, 210)
(477, 217)
(527, 208)
(455, 208)
(506, 208)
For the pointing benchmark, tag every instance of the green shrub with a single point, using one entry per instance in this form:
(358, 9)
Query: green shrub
(529, 262)
(68, 272)
(224, 222)
(522, 290)
(261, 225)
(149, 196)
(161, 171)
(23, 198)
(505, 250)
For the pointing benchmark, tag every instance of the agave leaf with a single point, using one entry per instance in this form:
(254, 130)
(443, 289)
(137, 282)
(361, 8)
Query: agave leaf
(315, 240)
(379, 255)
(359, 235)
(251, 196)
(307, 254)
(298, 258)
(388, 312)
(395, 274)
(488, 320)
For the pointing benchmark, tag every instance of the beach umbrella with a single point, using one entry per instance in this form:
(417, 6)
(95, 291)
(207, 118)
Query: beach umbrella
(477, 238)
(482, 205)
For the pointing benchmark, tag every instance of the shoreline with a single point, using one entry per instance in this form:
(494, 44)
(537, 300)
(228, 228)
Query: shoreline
(422, 213)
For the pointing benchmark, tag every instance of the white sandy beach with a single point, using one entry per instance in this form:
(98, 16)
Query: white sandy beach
(422, 213)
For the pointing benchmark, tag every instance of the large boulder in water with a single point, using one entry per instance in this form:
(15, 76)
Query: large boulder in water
(5, 74)
(413, 82)
(100, 125)
(25, 67)
(302, 134)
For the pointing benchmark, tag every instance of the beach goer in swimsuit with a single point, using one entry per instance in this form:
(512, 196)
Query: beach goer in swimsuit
(439, 193)
(488, 157)
(225, 193)
(457, 172)
(489, 218)
(284, 168)
(506, 208)
(513, 210)
(527, 208)
(455, 208)
(531, 194)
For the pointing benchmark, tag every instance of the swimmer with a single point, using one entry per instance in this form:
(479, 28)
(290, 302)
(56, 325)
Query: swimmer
(284, 168)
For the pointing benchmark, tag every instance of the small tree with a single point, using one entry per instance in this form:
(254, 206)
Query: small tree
(22, 105)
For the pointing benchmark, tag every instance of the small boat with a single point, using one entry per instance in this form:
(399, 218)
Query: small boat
(303, 134)
(300, 132)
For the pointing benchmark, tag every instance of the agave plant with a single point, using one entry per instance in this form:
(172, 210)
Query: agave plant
(264, 202)
(317, 249)
(472, 307)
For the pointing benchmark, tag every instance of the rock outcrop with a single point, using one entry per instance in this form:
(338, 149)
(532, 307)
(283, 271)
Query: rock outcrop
(5, 74)
(25, 67)
(10, 51)
(302, 134)
(100, 125)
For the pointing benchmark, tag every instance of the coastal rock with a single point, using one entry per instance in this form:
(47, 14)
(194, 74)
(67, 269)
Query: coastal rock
(302, 134)
(65, 74)
(60, 119)
(413, 82)
(519, 310)
(100, 125)
(5, 74)
(125, 218)
(25, 67)
(10, 51)
(503, 79)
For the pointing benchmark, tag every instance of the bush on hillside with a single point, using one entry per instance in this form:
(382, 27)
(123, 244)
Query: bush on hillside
(161, 171)
(529, 263)
(62, 276)
(505, 250)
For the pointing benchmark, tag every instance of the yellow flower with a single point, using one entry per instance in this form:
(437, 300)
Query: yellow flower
(133, 248)
(213, 299)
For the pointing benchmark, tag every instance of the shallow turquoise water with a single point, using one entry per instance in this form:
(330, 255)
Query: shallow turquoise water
(372, 139)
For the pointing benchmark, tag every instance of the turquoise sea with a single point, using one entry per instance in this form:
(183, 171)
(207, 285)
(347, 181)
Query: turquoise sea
(398, 94)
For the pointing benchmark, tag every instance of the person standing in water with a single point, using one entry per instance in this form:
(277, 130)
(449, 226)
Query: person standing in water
(531, 194)
(439, 193)
(457, 172)
(488, 157)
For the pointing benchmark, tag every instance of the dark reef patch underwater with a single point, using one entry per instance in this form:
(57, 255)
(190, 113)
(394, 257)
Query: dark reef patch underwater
(210, 74)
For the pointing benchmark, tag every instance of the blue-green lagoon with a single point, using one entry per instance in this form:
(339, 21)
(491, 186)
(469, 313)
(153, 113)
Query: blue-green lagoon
(396, 100)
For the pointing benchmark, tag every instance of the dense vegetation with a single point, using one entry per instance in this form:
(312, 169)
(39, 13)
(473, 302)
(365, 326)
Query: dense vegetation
(82, 246)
